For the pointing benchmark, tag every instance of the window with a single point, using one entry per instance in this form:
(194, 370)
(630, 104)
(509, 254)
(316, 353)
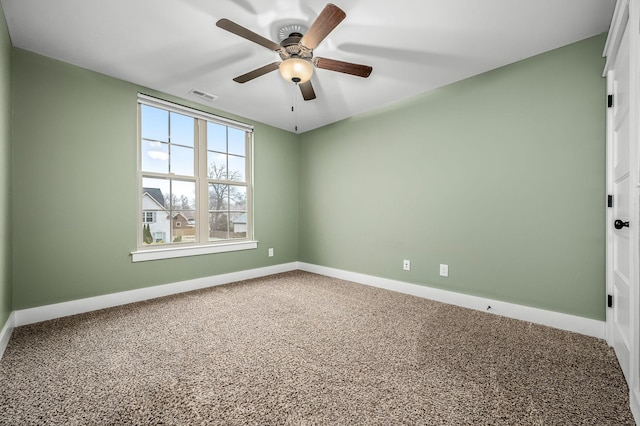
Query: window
(194, 170)
(148, 217)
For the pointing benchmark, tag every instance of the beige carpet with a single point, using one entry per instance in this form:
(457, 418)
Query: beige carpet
(303, 349)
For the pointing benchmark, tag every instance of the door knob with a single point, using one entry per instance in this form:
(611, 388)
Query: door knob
(618, 224)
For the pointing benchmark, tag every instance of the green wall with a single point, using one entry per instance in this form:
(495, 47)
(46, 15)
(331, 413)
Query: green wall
(500, 176)
(74, 189)
(5, 172)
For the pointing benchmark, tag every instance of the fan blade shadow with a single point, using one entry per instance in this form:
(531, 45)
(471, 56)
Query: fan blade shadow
(402, 55)
(221, 62)
(244, 4)
(211, 9)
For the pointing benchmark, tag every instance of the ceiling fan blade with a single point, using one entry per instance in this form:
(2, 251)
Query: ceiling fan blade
(257, 73)
(328, 19)
(308, 93)
(344, 67)
(241, 31)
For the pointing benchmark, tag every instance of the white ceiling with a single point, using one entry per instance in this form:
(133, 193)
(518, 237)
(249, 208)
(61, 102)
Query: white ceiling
(413, 46)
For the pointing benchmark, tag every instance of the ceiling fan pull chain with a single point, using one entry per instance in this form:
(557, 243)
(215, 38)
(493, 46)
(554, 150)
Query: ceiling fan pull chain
(294, 107)
(295, 102)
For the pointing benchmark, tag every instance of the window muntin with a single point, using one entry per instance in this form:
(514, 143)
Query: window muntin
(148, 216)
(194, 177)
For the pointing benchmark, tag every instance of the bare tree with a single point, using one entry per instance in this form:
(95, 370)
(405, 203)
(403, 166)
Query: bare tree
(223, 197)
(220, 194)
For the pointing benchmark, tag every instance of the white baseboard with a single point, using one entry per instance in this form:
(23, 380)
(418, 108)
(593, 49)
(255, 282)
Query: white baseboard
(559, 320)
(58, 310)
(540, 316)
(5, 333)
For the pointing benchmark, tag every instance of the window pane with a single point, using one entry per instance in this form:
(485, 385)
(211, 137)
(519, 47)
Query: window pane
(218, 226)
(216, 137)
(236, 141)
(217, 166)
(157, 225)
(182, 160)
(183, 195)
(236, 168)
(157, 190)
(182, 128)
(183, 217)
(218, 196)
(237, 197)
(238, 225)
(184, 226)
(155, 157)
(155, 123)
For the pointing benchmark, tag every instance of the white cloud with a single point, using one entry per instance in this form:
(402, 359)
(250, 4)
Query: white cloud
(158, 155)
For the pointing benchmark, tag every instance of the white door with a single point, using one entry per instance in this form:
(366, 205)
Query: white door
(620, 268)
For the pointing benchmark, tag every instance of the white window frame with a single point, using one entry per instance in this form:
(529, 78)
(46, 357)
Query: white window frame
(172, 250)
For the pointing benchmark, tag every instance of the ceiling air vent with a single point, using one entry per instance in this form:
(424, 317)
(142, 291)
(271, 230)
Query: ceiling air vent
(203, 95)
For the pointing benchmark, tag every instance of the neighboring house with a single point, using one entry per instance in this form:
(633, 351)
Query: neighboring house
(183, 227)
(155, 215)
(179, 221)
(240, 224)
(183, 219)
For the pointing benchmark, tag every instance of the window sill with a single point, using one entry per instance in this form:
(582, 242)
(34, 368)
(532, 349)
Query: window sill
(173, 252)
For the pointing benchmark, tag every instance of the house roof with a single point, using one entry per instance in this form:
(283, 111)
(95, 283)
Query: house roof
(187, 214)
(154, 193)
(178, 215)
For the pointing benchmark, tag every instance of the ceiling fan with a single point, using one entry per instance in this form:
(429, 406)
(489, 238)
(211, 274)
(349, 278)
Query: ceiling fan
(296, 52)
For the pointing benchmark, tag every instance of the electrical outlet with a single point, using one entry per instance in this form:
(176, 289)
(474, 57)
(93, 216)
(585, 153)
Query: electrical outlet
(270, 252)
(406, 265)
(444, 270)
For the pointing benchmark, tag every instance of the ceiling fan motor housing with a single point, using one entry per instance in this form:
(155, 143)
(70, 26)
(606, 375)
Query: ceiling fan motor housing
(296, 58)
(291, 48)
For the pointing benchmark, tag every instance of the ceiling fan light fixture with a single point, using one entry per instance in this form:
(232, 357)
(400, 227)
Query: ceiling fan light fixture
(296, 70)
